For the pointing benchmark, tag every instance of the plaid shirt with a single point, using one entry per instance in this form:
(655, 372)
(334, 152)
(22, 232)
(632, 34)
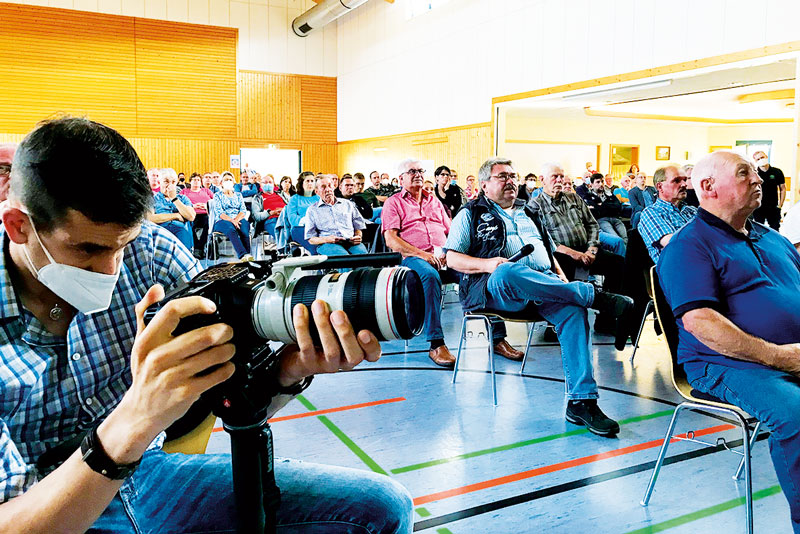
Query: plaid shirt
(54, 388)
(568, 220)
(660, 219)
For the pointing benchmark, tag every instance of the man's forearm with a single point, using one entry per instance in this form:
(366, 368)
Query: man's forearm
(187, 212)
(398, 244)
(464, 263)
(719, 333)
(781, 195)
(161, 218)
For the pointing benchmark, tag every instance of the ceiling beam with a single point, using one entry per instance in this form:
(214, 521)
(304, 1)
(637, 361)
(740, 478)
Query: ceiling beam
(781, 94)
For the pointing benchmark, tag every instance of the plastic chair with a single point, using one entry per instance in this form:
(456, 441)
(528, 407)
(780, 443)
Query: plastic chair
(527, 315)
(697, 400)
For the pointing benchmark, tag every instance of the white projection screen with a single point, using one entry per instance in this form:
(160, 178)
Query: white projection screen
(275, 161)
(529, 157)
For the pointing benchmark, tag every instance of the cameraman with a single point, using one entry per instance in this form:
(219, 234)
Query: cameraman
(76, 359)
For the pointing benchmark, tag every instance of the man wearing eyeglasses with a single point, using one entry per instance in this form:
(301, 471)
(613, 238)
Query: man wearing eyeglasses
(492, 228)
(6, 157)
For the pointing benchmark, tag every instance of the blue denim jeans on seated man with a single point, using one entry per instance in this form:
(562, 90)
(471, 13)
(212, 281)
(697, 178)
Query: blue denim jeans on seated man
(182, 494)
(612, 243)
(332, 249)
(773, 397)
(512, 286)
(183, 231)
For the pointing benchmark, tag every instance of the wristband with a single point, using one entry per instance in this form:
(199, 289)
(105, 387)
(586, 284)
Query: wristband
(98, 460)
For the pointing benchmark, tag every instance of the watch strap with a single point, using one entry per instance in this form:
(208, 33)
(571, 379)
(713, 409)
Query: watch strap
(98, 460)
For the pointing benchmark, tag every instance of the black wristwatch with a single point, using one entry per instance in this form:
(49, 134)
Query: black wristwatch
(97, 459)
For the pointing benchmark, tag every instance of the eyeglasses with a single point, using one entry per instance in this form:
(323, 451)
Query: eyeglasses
(5, 169)
(445, 174)
(412, 172)
(505, 178)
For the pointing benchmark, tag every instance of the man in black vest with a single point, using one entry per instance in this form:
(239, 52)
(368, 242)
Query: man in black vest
(493, 227)
(773, 190)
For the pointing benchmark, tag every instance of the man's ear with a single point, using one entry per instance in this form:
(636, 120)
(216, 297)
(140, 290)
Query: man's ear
(707, 185)
(16, 224)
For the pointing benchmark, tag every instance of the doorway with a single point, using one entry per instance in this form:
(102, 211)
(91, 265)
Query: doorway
(621, 159)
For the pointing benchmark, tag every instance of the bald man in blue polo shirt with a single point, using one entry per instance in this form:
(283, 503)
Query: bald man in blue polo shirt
(734, 286)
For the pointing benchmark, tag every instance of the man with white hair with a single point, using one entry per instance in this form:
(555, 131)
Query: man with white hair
(734, 287)
(577, 237)
(153, 176)
(416, 225)
(334, 224)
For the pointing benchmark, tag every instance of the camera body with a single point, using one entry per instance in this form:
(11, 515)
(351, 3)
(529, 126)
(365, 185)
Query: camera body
(257, 298)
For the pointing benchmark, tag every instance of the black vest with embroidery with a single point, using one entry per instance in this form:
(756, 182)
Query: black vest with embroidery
(487, 240)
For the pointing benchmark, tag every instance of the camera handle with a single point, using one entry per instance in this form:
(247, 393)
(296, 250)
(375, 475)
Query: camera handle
(256, 493)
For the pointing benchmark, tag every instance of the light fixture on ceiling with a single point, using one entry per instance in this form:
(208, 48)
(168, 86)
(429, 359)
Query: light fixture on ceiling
(615, 90)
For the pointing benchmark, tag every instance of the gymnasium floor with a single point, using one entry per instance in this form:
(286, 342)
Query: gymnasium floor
(520, 467)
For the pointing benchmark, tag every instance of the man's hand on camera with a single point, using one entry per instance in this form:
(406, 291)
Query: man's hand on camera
(169, 373)
(341, 348)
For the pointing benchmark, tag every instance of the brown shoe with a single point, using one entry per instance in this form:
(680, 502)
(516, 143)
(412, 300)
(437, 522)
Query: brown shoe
(507, 351)
(442, 356)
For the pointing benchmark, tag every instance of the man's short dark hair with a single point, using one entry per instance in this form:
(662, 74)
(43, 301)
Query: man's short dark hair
(530, 175)
(72, 163)
(439, 170)
(596, 176)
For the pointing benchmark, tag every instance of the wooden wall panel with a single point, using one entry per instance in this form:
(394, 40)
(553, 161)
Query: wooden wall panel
(318, 106)
(61, 61)
(269, 105)
(186, 80)
(464, 148)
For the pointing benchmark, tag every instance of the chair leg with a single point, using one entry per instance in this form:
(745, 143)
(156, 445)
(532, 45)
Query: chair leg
(527, 347)
(647, 310)
(748, 481)
(490, 340)
(753, 436)
(460, 344)
(661, 455)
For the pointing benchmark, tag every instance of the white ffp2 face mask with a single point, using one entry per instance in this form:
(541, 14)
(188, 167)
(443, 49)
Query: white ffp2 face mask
(86, 291)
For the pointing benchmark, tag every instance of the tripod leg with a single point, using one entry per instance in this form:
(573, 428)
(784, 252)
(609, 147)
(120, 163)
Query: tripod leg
(257, 495)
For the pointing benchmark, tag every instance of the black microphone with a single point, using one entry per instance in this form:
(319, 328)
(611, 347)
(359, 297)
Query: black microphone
(524, 251)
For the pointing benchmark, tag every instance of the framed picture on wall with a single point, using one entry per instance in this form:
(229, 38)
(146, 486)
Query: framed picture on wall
(662, 153)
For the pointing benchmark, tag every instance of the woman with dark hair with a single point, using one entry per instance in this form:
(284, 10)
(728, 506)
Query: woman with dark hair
(449, 193)
(633, 169)
(286, 189)
(299, 203)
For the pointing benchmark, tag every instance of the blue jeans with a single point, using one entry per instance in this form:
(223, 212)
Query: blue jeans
(612, 243)
(773, 397)
(183, 231)
(376, 215)
(512, 286)
(179, 493)
(239, 237)
(613, 226)
(332, 249)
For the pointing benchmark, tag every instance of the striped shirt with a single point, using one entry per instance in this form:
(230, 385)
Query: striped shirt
(340, 219)
(660, 219)
(54, 388)
(520, 230)
(568, 220)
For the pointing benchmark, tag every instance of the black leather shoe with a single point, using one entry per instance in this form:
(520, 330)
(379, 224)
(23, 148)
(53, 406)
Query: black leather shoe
(611, 304)
(587, 413)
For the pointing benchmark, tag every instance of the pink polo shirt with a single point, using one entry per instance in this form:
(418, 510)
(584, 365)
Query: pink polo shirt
(424, 225)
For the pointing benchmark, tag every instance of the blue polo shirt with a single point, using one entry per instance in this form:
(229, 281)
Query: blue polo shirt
(753, 280)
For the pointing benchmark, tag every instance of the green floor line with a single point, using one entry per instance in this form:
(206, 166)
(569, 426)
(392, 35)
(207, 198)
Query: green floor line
(358, 451)
(423, 512)
(705, 512)
(443, 531)
(519, 444)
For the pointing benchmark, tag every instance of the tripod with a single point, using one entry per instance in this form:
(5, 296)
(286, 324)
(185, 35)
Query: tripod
(257, 496)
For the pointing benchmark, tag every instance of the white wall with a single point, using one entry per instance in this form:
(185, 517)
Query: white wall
(266, 40)
(443, 68)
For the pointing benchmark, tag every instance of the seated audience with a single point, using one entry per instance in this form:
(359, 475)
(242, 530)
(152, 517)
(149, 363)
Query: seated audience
(641, 196)
(378, 189)
(416, 225)
(7, 151)
(154, 179)
(576, 236)
(266, 212)
(471, 191)
(790, 229)
(299, 203)
(605, 207)
(492, 228)
(207, 183)
(734, 287)
(449, 193)
(333, 224)
(668, 214)
(199, 196)
(216, 183)
(528, 189)
(428, 186)
(286, 190)
(347, 191)
(691, 194)
(621, 192)
(173, 211)
(230, 217)
(248, 188)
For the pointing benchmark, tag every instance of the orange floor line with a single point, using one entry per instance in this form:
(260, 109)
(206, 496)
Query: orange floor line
(328, 410)
(425, 499)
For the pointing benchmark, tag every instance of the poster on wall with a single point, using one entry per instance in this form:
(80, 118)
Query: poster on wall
(275, 161)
